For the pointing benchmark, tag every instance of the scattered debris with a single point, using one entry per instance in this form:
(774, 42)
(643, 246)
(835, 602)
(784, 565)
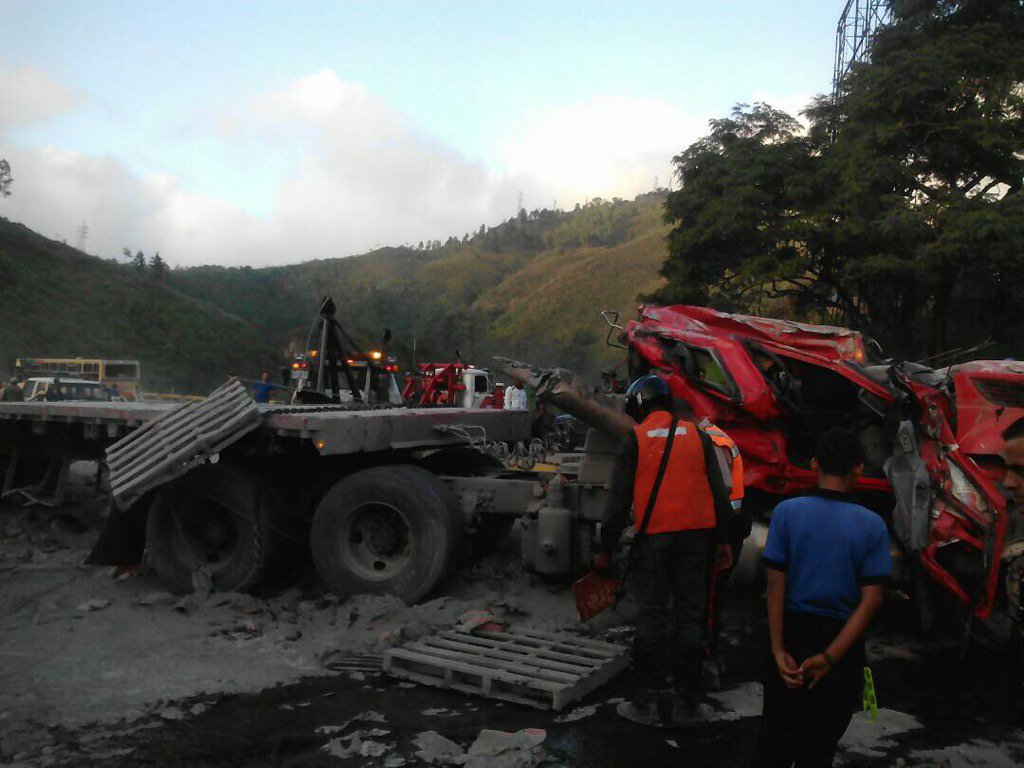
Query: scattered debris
(440, 712)
(498, 749)
(874, 739)
(482, 620)
(435, 749)
(577, 714)
(93, 605)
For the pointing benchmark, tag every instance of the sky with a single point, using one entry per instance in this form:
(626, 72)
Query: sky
(271, 133)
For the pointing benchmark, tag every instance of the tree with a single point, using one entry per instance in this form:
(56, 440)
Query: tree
(138, 260)
(899, 211)
(5, 178)
(158, 266)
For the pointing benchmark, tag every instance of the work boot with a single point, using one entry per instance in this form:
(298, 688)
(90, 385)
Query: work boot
(641, 709)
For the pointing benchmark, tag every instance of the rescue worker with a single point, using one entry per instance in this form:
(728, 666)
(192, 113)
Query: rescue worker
(827, 561)
(515, 398)
(740, 523)
(688, 521)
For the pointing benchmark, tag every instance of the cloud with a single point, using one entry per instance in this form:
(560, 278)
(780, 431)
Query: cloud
(28, 96)
(361, 174)
(609, 147)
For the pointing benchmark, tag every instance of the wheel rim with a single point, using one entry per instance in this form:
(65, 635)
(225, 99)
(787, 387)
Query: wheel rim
(209, 532)
(376, 544)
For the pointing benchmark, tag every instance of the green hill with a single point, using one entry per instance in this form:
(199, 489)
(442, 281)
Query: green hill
(58, 302)
(531, 287)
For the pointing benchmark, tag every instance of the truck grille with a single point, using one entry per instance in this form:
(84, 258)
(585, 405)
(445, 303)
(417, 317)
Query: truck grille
(1001, 392)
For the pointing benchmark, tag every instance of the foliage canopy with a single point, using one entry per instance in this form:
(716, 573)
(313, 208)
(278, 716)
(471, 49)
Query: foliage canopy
(897, 211)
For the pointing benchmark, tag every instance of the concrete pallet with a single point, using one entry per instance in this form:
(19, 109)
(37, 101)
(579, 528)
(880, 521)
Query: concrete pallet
(547, 670)
(178, 440)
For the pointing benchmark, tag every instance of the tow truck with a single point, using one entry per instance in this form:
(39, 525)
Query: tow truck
(458, 384)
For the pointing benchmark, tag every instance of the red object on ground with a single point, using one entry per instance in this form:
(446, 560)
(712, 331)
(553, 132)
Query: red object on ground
(593, 594)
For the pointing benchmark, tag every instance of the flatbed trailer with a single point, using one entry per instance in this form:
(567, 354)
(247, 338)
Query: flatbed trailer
(385, 499)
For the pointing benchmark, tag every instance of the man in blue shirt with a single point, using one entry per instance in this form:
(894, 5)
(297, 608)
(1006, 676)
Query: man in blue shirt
(262, 390)
(827, 560)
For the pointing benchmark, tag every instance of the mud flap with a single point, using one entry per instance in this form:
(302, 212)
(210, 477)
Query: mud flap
(123, 539)
(912, 488)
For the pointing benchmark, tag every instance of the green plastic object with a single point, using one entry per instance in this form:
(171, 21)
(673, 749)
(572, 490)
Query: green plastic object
(870, 701)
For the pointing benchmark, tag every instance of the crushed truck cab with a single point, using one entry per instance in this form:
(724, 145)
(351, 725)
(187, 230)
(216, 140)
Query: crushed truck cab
(931, 437)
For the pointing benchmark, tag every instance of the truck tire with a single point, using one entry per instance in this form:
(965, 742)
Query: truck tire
(386, 530)
(223, 518)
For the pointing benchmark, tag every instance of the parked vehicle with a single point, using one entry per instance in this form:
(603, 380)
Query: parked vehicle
(60, 388)
(121, 376)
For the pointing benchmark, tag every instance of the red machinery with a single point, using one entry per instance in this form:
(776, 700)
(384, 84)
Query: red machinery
(775, 386)
(453, 385)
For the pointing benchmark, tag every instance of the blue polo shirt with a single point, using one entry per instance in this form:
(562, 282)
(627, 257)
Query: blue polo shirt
(829, 548)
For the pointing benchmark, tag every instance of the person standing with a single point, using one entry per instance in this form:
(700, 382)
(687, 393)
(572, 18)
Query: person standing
(679, 521)
(261, 391)
(12, 393)
(827, 560)
(515, 398)
(740, 524)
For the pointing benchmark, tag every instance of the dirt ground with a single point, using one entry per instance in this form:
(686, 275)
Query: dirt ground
(98, 669)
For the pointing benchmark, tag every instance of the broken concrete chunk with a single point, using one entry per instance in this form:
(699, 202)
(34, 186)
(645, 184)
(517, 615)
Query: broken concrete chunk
(93, 605)
(498, 749)
(577, 714)
(435, 749)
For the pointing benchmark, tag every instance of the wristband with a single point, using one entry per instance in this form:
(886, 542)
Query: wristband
(828, 660)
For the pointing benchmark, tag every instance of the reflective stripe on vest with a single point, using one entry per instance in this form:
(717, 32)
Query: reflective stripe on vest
(684, 501)
(720, 438)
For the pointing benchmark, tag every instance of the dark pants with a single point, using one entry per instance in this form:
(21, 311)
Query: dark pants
(803, 726)
(739, 529)
(670, 583)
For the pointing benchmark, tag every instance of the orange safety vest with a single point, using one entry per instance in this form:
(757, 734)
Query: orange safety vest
(721, 439)
(684, 502)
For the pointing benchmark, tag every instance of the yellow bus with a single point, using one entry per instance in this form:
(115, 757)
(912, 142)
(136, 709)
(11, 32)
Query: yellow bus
(120, 377)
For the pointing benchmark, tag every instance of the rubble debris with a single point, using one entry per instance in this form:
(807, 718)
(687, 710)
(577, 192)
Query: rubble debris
(358, 745)
(483, 620)
(435, 749)
(93, 605)
(577, 714)
(499, 749)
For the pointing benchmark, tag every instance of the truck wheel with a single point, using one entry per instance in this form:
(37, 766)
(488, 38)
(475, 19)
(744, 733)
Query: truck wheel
(222, 518)
(385, 530)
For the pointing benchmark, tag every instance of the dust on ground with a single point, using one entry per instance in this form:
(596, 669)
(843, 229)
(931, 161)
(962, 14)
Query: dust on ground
(98, 668)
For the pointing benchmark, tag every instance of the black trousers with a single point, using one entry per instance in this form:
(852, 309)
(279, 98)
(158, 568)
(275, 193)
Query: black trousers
(670, 583)
(802, 726)
(739, 529)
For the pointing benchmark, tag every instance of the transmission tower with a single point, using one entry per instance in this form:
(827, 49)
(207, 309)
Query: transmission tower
(83, 236)
(857, 25)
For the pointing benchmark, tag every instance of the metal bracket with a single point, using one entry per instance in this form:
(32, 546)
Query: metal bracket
(611, 317)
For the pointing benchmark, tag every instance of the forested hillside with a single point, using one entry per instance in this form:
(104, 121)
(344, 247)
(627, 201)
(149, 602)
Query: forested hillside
(58, 302)
(531, 287)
